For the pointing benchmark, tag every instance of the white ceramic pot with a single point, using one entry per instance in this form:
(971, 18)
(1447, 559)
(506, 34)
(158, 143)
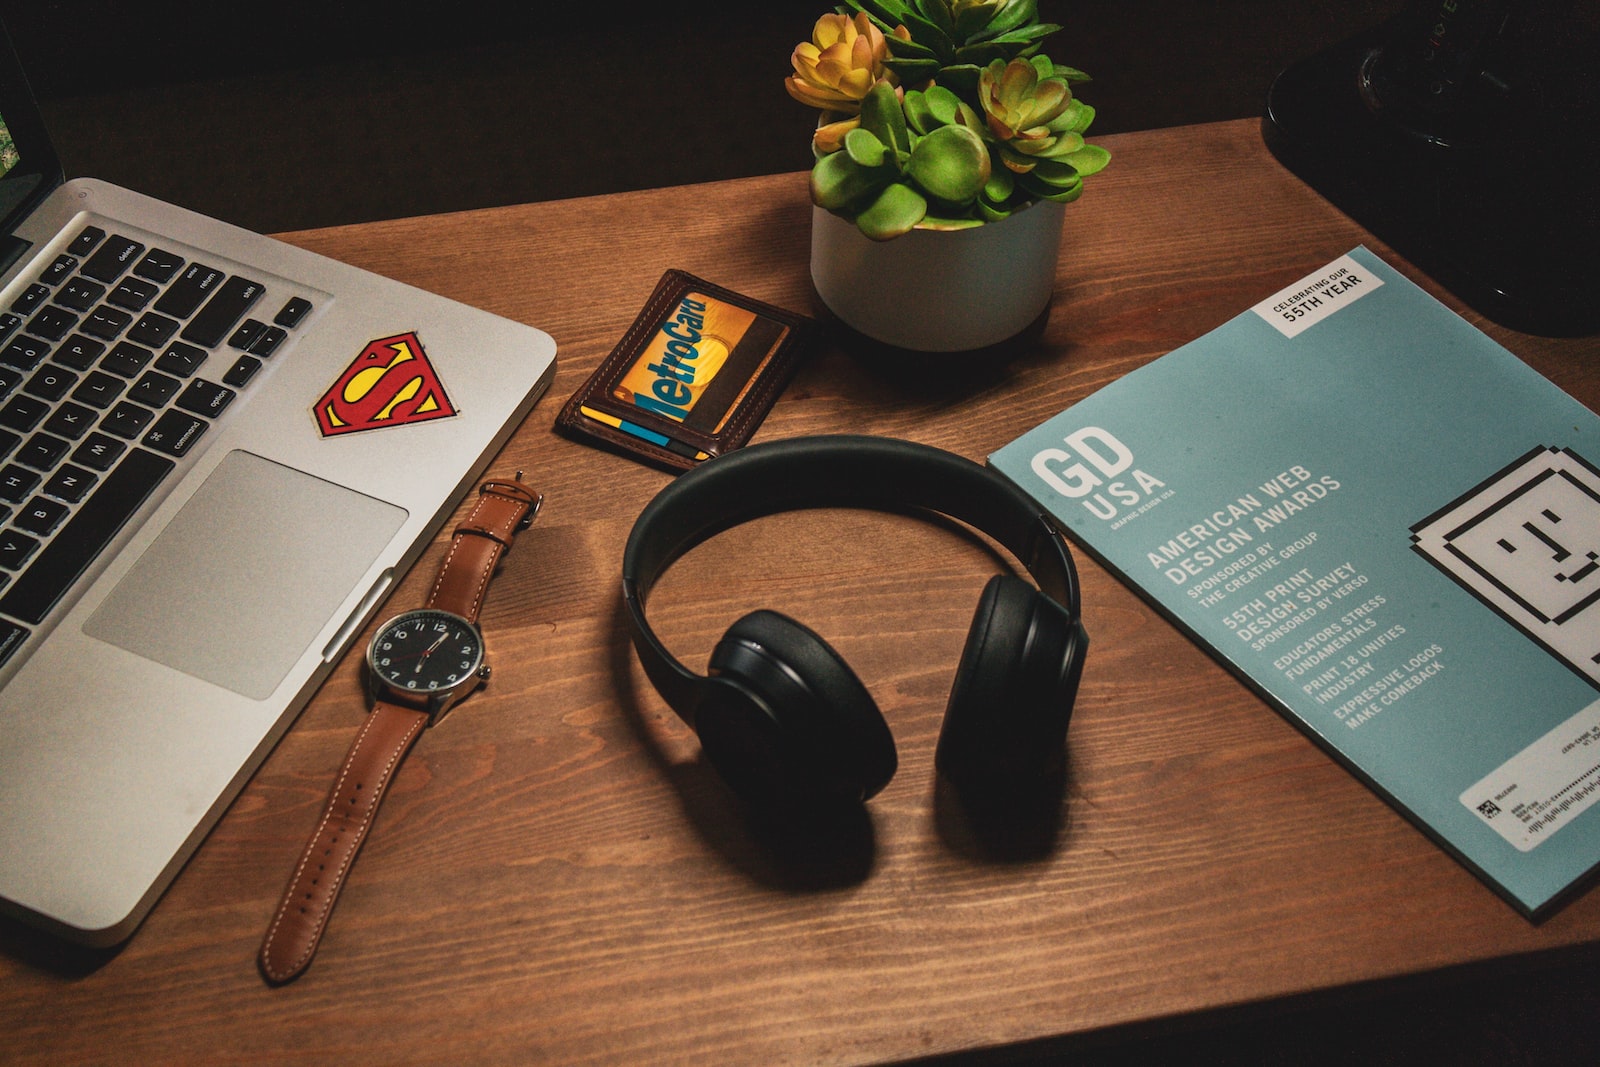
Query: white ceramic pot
(939, 291)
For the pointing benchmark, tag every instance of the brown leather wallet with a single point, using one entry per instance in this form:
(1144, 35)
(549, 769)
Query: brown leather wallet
(691, 378)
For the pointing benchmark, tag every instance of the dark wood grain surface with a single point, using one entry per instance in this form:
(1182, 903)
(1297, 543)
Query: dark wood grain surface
(557, 877)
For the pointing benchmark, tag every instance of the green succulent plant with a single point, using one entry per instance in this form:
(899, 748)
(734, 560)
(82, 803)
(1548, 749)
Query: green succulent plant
(965, 120)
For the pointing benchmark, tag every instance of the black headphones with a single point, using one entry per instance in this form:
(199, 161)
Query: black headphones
(780, 715)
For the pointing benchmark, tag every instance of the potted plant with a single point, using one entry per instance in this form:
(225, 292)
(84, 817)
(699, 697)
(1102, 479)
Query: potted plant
(946, 146)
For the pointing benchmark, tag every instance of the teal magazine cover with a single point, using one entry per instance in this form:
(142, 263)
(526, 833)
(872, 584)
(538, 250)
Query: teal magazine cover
(1386, 524)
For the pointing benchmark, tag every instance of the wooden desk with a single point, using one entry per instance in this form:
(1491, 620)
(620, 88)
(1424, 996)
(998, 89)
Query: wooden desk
(556, 877)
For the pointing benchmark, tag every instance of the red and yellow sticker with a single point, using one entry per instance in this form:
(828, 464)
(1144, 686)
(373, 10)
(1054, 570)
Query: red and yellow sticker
(391, 383)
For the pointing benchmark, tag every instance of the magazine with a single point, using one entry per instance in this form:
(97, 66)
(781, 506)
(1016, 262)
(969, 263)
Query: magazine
(1389, 527)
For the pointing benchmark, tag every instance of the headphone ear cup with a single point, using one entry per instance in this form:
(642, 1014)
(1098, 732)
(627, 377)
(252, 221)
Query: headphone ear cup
(785, 721)
(1006, 724)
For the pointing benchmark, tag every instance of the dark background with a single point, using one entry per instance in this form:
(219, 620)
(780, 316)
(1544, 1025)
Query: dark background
(297, 114)
(294, 114)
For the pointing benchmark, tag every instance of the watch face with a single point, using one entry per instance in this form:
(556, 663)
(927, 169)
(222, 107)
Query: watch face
(426, 651)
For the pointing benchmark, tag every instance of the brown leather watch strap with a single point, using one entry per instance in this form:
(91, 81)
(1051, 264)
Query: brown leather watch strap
(502, 508)
(369, 766)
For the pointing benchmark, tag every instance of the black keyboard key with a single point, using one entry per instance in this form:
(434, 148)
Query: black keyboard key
(132, 293)
(16, 548)
(79, 352)
(30, 300)
(42, 451)
(50, 382)
(10, 378)
(98, 389)
(247, 333)
(16, 482)
(292, 312)
(181, 359)
(24, 353)
(99, 451)
(70, 483)
(192, 287)
(70, 420)
(40, 516)
(106, 322)
(97, 521)
(53, 323)
(115, 255)
(11, 638)
(126, 359)
(158, 265)
(268, 342)
(23, 412)
(127, 420)
(244, 368)
(153, 330)
(226, 307)
(59, 270)
(80, 294)
(9, 324)
(84, 243)
(8, 441)
(154, 389)
(175, 432)
(205, 398)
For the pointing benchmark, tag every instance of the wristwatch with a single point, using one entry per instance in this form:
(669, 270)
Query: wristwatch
(420, 664)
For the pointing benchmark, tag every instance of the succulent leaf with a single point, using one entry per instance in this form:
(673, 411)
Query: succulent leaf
(837, 182)
(1061, 194)
(1071, 75)
(961, 78)
(1011, 16)
(945, 105)
(830, 135)
(938, 13)
(951, 163)
(929, 35)
(1090, 159)
(919, 117)
(892, 212)
(864, 148)
(973, 19)
(934, 222)
(1054, 174)
(881, 112)
(913, 71)
(999, 187)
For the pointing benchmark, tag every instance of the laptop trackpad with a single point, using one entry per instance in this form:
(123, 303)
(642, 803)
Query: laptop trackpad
(247, 574)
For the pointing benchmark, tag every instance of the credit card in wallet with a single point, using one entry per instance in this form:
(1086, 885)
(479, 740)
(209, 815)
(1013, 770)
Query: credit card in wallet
(692, 377)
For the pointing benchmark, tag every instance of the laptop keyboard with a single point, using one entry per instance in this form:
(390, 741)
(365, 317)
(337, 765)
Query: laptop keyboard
(113, 365)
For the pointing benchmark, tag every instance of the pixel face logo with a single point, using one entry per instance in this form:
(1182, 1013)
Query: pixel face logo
(1527, 543)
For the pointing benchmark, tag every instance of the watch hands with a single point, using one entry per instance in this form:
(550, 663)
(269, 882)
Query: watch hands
(423, 658)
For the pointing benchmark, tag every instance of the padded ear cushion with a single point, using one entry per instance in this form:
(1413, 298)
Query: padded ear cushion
(786, 721)
(1006, 723)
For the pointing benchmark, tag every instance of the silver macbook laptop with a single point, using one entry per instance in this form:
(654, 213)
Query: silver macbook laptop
(217, 454)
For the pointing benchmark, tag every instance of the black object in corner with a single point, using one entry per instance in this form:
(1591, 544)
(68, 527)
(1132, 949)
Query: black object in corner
(1466, 135)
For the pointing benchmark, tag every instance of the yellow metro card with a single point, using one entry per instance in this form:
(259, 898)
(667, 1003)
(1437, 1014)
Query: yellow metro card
(672, 374)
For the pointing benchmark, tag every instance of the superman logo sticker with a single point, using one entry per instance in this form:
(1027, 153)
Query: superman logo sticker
(391, 383)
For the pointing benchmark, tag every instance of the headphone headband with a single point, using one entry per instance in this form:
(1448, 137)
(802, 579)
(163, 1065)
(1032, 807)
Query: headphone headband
(877, 473)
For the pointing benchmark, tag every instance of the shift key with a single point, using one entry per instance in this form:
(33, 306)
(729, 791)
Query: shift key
(225, 308)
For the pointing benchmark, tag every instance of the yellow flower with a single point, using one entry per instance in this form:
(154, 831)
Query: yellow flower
(843, 59)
